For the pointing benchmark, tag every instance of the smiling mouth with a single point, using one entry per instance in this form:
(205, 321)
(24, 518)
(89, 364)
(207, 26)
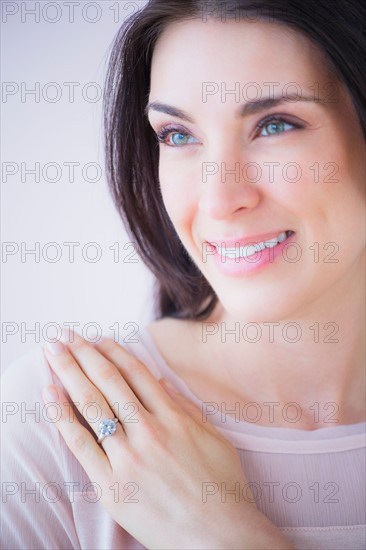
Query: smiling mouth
(249, 250)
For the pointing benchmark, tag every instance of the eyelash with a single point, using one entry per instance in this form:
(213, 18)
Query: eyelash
(277, 118)
(164, 132)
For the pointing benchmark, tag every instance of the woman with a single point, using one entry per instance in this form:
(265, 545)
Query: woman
(236, 148)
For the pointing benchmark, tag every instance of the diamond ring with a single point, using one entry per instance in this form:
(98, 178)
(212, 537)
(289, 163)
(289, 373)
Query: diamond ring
(106, 428)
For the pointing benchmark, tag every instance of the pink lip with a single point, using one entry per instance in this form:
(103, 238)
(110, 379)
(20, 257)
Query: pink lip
(252, 264)
(243, 241)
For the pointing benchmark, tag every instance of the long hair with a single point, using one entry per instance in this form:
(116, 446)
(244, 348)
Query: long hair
(336, 27)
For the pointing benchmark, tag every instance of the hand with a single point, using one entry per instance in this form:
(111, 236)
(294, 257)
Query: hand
(160, 456)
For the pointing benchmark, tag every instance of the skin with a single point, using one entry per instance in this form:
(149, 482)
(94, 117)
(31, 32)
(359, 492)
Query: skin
(304, 292)
(149, 452)
(162, 454)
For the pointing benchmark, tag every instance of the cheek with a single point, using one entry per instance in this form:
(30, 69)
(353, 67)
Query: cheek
(322, 177)
(179, 191)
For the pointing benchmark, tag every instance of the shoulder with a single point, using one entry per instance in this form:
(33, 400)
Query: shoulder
(178, 341)
(24, 378)
(169, 327)
(34, 447)
(35, 460)
(27, 422)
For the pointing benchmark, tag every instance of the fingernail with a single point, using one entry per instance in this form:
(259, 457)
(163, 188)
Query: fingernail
(50, 394)
(168, 384)
(55, 347)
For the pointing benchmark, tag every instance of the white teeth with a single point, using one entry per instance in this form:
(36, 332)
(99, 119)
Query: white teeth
(244, 251)
(281, 237)
(240, 252)
(271, 243)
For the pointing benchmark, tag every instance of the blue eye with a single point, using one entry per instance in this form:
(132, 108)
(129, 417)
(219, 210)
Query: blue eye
(179, 138)
(176, 138)
(274, 126)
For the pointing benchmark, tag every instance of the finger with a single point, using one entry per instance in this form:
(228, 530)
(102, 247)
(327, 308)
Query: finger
(142, 382)
(109, 380)
(86, 397)
(101, 370)
(188, 407)
(79, 440)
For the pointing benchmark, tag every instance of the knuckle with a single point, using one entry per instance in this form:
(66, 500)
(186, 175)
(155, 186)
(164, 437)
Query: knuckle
(182, 425)
(107, 370)
(152, 431)
(176, 419)
(108, 343)
(92, 413)
(66, 361)
(134, 367)
(77, 441)
(90, 396)
(131, 415)
(134, 461)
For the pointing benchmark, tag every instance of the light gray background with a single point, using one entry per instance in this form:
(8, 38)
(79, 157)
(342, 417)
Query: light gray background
(35, 50)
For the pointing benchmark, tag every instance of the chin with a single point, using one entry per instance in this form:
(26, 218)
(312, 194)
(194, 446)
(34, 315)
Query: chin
(252, 310)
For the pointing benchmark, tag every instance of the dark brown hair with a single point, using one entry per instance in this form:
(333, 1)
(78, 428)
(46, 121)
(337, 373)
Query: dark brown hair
(337, 27)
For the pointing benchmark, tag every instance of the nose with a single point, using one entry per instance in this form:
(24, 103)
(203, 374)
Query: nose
(228, 184)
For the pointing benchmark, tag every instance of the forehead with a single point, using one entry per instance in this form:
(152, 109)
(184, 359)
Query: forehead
(189, 53)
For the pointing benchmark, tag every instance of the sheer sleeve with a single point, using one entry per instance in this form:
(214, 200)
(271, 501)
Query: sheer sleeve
(36, 509)
(48, 501)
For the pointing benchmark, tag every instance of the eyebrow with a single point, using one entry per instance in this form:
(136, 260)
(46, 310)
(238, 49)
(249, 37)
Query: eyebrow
(250, 107)
(168, 110)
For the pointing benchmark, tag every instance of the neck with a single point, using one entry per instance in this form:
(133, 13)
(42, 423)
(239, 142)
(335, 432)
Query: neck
(313, 357)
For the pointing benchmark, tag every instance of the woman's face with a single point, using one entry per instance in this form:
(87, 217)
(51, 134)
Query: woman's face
(251, 176)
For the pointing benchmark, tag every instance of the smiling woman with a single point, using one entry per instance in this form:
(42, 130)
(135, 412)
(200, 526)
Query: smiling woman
(235, 143)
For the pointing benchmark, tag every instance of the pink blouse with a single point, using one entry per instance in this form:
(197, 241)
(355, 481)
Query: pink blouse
(310, 484)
